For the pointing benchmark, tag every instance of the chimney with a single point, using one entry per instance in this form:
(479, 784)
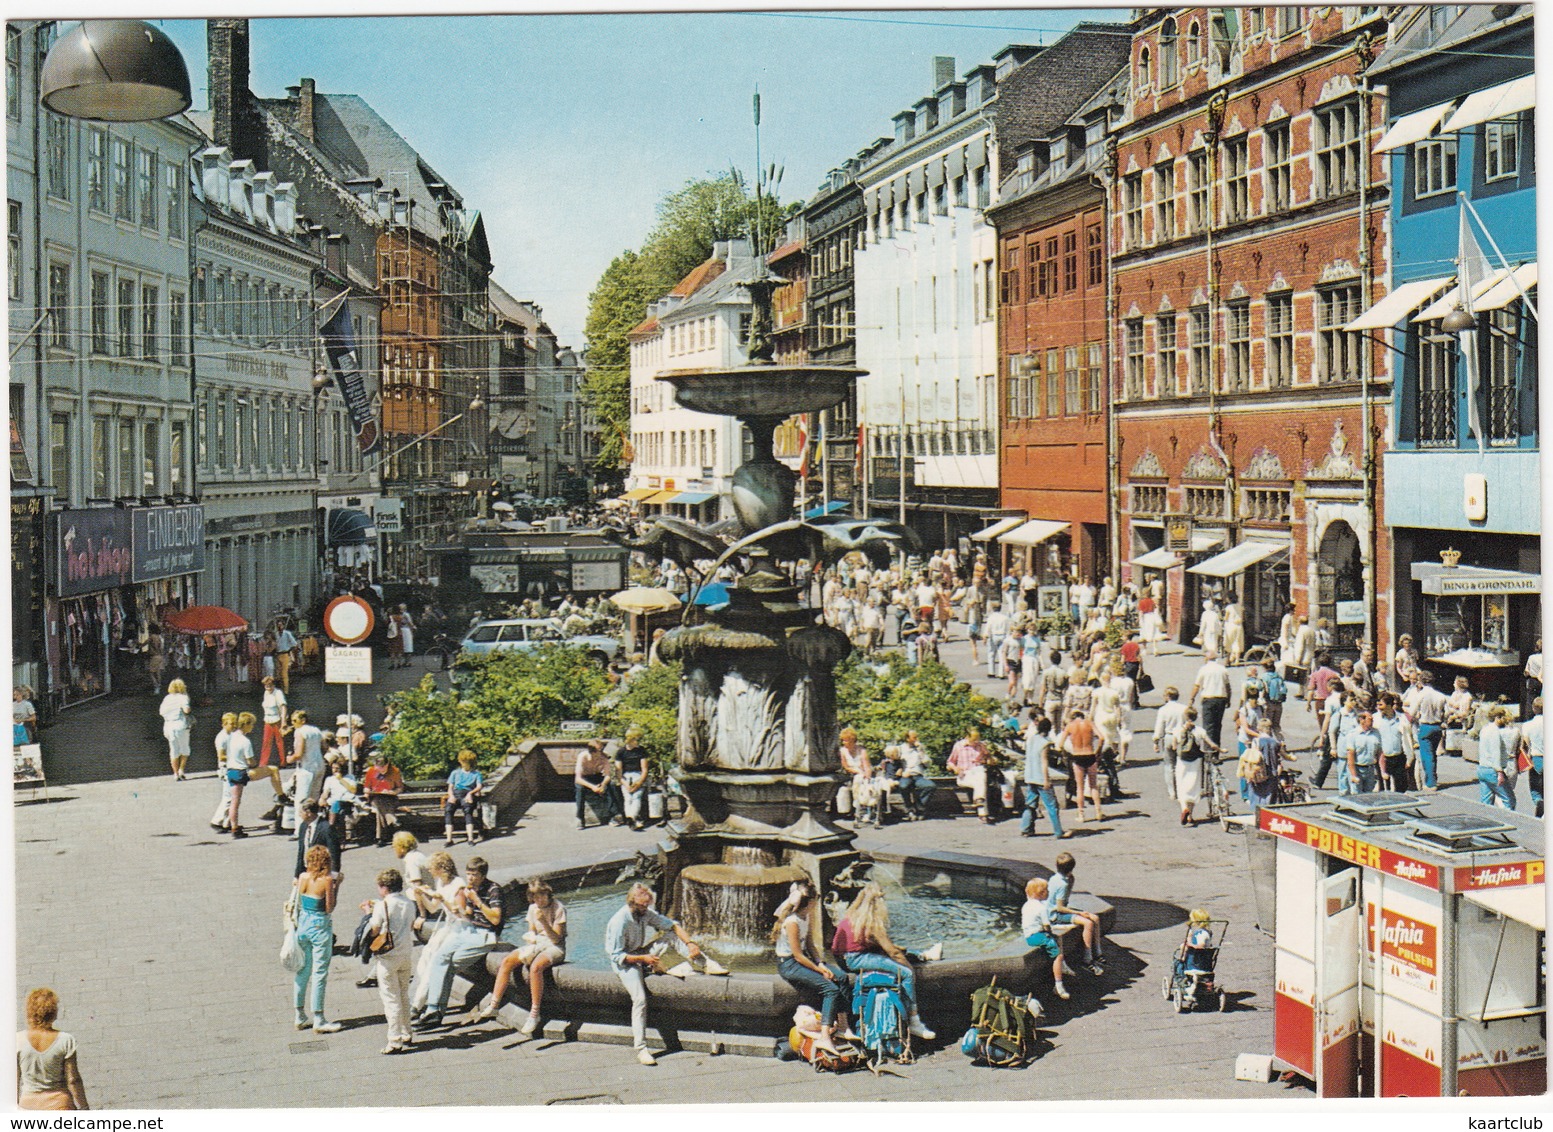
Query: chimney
(943, 70)
(233, 122)
(305, 110)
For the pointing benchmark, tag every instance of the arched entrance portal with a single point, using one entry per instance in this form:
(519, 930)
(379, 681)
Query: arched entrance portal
(1340, 586)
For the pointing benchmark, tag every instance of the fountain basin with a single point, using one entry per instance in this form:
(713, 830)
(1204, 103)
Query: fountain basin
(774, 391)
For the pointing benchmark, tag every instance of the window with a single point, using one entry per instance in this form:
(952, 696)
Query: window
(13, 244)
(1256, 21)
(1434, 167)
(126, 469)
(1237, 192)
(1501, 149)
(1008, 282)
(150, 301)
(1049, 269)
(1169, 55)
(55, 144)
(177, 317)
(1053, 383)
(983, 198)
(1133, 330)
(1070, 261)
(1132, 211)
(100, 457)
(959, 192)
(1504, 375)
(59, 305)
(1288, 21)
(1165, 201)
(1073, 391)
(150, 449)
(146, 187)
(1277, 160)
(922, 207)
(1338, 349)
(59, 453)
(1436, 386)
(126, 327)
(172, 182)
(1094, 240)
(1280, 341)
(239, 309)
(1143, 69)
(1237, 356)
(1338, 151)
(202, 298)
(1193, 45)
(123, 185)
(100, 312)
(1199, 344)
(1094, 379)
(220, 320)
(1165, 355)
(1197, 191)
(97, 169)
(175, 445)
(940, 203)
(1035, 273)
(13, 72)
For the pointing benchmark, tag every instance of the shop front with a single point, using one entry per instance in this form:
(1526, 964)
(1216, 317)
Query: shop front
(1254, 572)
(1039, 547)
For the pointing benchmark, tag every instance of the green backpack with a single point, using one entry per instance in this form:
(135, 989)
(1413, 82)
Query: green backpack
(1003, 1027)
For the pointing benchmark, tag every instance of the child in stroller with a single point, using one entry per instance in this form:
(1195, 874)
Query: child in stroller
(1192, 978)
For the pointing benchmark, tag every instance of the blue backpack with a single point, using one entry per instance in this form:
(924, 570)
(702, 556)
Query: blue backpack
(880, 1009)
(1277, 691)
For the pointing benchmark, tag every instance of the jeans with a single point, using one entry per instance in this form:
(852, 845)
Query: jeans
(602, 805)
(634, 803)
(418, 988)
(1042, 794)
(916, 789)
(1535, 776)
(1491, 790)
(315, 935)
(858, 961)
(463, 944)
(1368, 778)
(1213, 708)
(1428, 745)
(830, 990)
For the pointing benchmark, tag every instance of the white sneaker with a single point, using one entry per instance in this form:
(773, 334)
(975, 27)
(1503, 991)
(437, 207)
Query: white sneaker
(1062, 991)
(918, 1030)
(531, 1025)
(326, 1027)
(645, 1057)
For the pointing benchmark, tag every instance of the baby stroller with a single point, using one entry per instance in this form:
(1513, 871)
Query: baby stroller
(1192, 981)
(879, 1006)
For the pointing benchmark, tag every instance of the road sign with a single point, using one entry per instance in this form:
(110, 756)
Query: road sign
(348, 620)
(347, 666)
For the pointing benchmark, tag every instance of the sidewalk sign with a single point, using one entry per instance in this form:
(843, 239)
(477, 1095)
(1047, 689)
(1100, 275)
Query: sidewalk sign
(348, 666)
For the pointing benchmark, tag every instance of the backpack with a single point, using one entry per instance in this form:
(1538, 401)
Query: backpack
(880, 1013)
(1002, 1029)
(844, 1057)
(1277, 691)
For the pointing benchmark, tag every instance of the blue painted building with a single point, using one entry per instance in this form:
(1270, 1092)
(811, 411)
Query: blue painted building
(1462, 464)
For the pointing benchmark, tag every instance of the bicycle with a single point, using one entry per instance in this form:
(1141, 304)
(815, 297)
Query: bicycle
(1218, 790)
(440, 654)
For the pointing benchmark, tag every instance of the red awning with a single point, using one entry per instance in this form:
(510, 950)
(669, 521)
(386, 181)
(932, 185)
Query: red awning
(197, 620)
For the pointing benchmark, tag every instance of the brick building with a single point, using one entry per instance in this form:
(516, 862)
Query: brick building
(1052, 470)
(1248, 228)
(790, 331)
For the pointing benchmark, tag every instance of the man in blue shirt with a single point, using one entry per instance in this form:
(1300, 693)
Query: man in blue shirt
(1038, 783)
(634, 958)
(1362, 750)
(1398, 747)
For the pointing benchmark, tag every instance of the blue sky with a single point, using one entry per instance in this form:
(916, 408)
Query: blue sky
(566, 130)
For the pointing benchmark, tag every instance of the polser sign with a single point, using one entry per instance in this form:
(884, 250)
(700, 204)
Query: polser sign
(169, 541)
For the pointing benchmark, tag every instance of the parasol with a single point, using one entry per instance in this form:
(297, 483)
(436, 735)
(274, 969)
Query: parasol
(645, 599)
(198, 620)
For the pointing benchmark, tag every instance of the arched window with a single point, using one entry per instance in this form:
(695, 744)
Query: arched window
(1340, 582)
(1143, 67)
(1193, 44)
(1169, 55)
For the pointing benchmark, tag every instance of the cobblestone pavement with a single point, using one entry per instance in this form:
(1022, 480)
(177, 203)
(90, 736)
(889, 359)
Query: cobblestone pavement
(160, 937)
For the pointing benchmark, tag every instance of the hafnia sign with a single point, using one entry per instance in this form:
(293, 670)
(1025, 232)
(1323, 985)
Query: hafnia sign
(348, 620)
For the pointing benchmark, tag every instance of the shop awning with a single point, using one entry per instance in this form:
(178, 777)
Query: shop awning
(1506, 291)
(1414, 127)
(828, 509)
(987, 534)
(1526, 904)
(1403, 301)
(637, 494)
(1237, 558)
(348, 527)
(1160, 559)
(1032, 533)
(662, 497)
(1438, 580)
(694, 498)
(1452, 298)
(1502, 101)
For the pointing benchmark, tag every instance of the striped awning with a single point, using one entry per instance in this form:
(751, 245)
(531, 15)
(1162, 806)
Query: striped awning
(987, 534)
(1032, 533)
(662, 497)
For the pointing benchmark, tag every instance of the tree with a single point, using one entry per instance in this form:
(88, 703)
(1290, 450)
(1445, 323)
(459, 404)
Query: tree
(616, 305)
(649, 700)
(884, 699)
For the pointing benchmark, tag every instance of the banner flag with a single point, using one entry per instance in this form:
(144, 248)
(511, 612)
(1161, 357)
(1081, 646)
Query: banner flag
(340, 345)
(1472, 269)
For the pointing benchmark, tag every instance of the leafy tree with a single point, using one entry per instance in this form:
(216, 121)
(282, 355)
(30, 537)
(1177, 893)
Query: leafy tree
(884, 699)
(649, 701)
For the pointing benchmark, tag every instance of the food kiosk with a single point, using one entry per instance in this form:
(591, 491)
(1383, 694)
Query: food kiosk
(1409, 946)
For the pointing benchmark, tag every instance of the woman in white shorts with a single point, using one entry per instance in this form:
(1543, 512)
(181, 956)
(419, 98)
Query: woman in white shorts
(177, 716)
(544, 945)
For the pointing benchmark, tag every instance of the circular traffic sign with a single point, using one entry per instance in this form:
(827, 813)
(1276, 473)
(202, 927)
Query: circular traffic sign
(348, 620)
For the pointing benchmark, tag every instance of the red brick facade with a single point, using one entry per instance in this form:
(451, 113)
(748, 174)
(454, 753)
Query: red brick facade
(1238, 202)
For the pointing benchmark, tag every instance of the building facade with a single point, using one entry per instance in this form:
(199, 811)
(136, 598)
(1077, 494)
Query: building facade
(1248, 229)
(790, 341)
(537, 438)
(1462, 470)
(105, 522)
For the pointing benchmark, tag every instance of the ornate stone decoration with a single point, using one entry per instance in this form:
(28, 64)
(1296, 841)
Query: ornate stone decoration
(1337, 464)
(1148, 465)
(1203, 465)
(1264, 465)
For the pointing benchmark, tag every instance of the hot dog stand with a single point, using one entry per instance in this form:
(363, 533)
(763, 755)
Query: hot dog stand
(1409, 942)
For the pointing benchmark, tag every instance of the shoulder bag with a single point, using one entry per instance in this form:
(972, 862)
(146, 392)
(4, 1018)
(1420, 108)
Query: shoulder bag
(290, 949)
(382, 942)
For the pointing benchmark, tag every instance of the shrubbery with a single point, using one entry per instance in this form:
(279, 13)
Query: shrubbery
(885, 698)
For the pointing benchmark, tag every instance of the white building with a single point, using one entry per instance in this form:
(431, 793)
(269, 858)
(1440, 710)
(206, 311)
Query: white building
(683, 461)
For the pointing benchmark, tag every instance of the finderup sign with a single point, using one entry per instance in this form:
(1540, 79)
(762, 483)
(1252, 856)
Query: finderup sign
(169, 541)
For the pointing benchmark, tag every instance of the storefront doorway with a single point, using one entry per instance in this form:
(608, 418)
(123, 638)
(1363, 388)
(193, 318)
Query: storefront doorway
(1340, 587)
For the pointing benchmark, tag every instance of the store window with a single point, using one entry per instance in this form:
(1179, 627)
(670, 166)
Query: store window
(1340, 585)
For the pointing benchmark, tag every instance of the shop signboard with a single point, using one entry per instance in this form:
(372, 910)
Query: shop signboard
(1351, 849)
(387, 515)
(593, 577)
(93, 551)
(1350, 613)
(168, 541)
(1410, 949)
(1178, 534)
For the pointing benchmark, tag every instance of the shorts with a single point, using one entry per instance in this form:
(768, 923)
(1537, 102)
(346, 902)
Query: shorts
(1042, 941)
(237, 777)
(1061, 917)
(532, 951)
(1084, 762)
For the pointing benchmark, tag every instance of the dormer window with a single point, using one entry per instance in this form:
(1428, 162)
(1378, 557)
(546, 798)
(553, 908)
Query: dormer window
(1143, 68)
(1169, 55)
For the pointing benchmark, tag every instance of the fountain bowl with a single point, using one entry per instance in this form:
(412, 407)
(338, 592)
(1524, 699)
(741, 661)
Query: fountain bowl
(756, 391)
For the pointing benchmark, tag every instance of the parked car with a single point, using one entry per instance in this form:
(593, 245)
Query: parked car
(526, 633)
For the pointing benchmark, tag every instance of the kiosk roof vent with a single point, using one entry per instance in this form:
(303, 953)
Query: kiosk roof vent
(1460, 833)
(1373, 811)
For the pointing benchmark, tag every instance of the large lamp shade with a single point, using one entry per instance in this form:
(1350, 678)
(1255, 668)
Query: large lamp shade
(115, 71)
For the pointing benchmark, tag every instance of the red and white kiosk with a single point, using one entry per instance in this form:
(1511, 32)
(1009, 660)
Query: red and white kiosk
(1409, 935)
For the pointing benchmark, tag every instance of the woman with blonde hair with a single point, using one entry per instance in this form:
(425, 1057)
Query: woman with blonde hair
(544, 946)
(47, 1078)
(862, 941)
(177, 718)
(316, 892)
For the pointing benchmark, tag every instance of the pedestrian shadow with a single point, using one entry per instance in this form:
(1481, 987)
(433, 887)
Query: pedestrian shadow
(1135, 914)
(1091, 994)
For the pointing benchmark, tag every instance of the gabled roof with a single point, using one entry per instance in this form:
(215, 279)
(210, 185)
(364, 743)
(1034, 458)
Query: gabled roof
(788, 249)
(698, 278)
(642, 329)
(1413, 40)
(1037, 97)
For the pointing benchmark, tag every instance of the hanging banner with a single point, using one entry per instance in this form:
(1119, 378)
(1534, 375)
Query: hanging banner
(93, 550)
(340, 345)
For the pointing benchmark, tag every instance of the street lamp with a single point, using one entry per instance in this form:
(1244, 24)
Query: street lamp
(1458, 321)
(115, 71)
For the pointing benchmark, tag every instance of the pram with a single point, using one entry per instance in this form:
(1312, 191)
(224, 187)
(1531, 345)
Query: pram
(1192, 980)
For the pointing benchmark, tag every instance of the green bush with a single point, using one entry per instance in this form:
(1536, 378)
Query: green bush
(650, 700)
(884, 699)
